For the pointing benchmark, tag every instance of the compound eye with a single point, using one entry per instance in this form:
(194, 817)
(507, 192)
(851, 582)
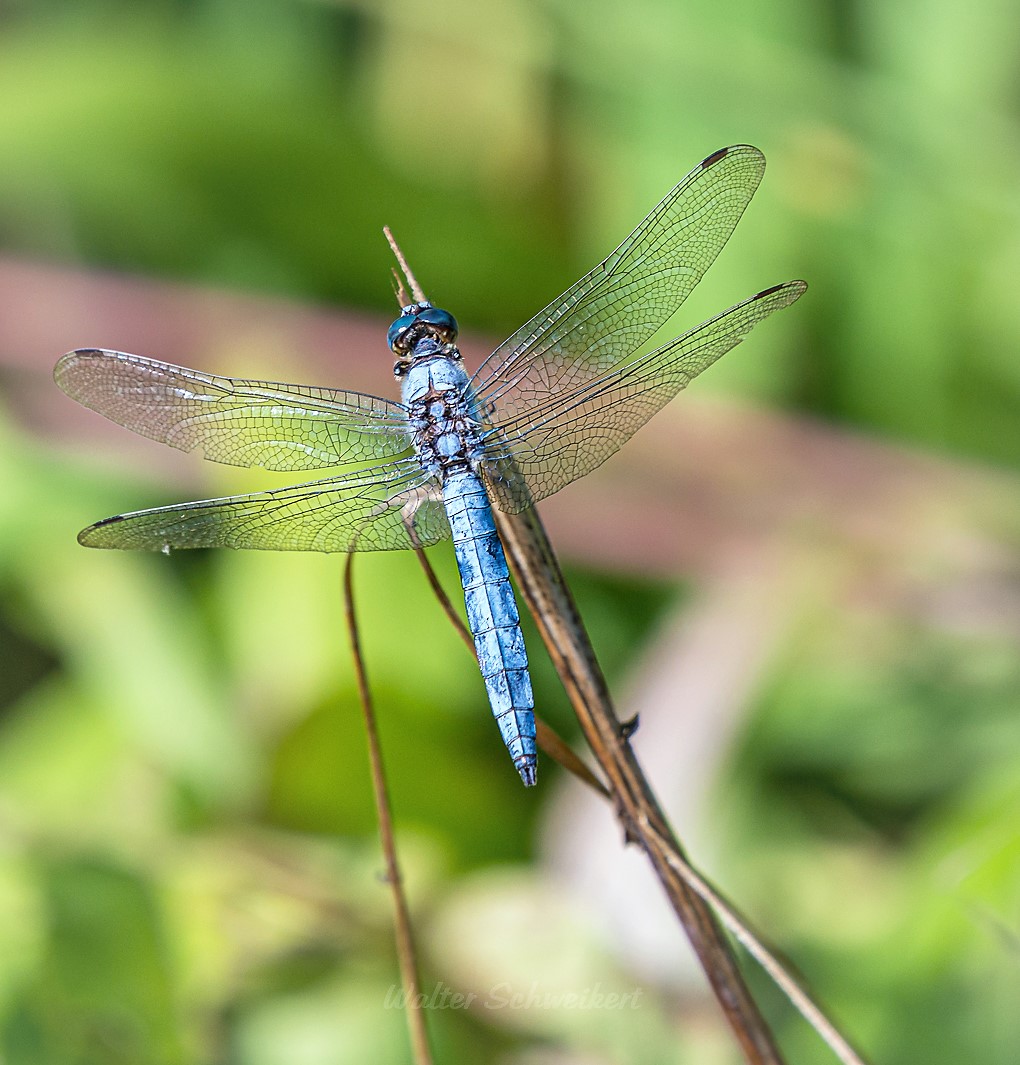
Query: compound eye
(440, 322)
(398, 336)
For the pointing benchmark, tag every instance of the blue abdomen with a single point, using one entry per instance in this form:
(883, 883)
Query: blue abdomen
(493, 617)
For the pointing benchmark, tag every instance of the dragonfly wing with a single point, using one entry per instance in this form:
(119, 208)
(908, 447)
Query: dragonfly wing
(614, 309)
(537, 454)
(385, 508)
(245, 423)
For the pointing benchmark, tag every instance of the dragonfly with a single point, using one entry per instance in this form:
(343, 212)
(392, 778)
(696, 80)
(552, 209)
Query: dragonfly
(549, 405)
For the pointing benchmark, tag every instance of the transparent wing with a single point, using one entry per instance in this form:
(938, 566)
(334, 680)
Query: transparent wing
(245, 423)
(613, 310)
(386, 508)
(538, 453)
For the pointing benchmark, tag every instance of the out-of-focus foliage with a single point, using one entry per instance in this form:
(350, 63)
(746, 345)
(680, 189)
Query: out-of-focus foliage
(188, 869)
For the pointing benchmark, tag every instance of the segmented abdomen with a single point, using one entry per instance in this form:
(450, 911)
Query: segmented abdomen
(492, 616)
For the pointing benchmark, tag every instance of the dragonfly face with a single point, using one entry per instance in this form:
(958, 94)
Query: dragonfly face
(418, 322)
(560, 396)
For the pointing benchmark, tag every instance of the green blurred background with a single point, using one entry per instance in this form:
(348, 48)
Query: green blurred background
(188, 863)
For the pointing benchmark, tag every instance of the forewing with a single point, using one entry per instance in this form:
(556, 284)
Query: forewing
(540, 452)
(245, 423)
(386, 508)
(614, 309)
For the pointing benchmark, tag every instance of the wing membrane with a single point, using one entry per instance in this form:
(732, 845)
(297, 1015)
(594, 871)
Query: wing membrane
(373, 511)
(244, 423)
(611, 311)
(570, 435)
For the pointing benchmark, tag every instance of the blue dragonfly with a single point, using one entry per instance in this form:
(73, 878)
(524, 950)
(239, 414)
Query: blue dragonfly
(551, 403)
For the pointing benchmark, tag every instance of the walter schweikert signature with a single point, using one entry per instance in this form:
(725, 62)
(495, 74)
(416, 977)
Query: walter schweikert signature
(505, 996)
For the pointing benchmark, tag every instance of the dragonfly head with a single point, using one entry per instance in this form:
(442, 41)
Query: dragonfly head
(418, 323)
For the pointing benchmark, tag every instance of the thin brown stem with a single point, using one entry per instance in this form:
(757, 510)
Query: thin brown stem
(740, 929)
(735, 923)
(406, 954)
(539, 577)
(412, 282)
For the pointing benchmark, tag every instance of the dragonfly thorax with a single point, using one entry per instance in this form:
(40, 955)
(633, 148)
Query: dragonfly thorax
(441, 413)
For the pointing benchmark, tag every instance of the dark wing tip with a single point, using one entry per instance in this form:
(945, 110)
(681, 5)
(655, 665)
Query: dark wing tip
(66, 363)
(714, 158)
(722, 153)
(796, 289)
(80, 353)
(87, 537)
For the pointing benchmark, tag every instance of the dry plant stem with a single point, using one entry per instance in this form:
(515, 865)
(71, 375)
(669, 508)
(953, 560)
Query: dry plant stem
(735, 923)
(403, 296)
(538, 576)
(402, 917)
(739, 928)
(548, 740)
